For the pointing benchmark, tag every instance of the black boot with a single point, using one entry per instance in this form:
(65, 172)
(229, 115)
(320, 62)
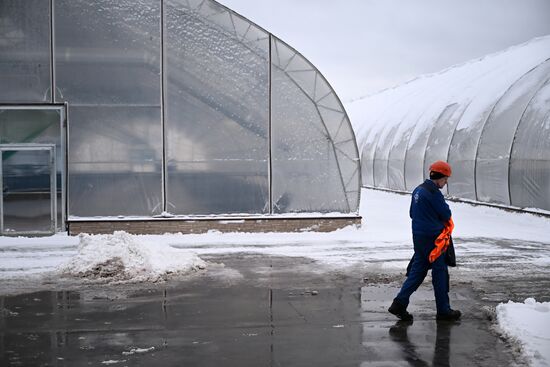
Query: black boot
(452, 315)
(400, 311)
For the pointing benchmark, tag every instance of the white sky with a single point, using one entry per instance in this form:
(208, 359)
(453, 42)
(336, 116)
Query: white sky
(363, 46)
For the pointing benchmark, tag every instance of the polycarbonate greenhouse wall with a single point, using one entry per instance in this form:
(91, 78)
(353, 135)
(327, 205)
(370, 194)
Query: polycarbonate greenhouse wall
(489, 118)
(179, 106)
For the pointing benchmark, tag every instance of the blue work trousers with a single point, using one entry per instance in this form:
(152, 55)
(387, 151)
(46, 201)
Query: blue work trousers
(423, 245)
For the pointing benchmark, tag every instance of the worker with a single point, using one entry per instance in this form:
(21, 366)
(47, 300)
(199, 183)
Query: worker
(431, 229)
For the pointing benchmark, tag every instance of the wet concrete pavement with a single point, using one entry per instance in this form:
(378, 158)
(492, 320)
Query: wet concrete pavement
(255, 311)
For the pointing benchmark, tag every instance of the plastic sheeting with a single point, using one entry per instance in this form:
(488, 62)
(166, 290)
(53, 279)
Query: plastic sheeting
(115, 161)
(500, 129)
(530, 160)
(217, 111)
(314, 154)
(107, 67)
(488, 118)
(25, 51)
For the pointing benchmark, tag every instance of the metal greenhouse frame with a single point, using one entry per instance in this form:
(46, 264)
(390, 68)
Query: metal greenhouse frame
(176, 110)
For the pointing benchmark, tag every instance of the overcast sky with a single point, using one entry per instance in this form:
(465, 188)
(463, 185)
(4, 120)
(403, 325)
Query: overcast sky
(362, 46)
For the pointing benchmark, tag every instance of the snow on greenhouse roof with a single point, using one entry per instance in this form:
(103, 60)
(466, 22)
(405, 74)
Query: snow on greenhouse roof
(478, 83)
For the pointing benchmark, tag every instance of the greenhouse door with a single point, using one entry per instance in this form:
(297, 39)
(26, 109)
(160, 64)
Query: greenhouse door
(28, 203)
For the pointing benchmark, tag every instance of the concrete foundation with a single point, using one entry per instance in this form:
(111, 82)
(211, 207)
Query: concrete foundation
(202, 225)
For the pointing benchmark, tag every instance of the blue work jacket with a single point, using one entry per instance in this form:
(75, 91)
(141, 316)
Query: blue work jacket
(429, 211)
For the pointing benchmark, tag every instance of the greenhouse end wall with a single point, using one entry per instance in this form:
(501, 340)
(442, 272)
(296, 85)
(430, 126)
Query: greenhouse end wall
(179, 107)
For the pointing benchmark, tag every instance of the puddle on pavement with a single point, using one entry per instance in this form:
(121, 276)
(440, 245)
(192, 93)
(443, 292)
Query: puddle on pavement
(289, 320)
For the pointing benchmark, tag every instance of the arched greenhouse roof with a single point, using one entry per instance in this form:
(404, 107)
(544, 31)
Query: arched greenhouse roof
(489, 118)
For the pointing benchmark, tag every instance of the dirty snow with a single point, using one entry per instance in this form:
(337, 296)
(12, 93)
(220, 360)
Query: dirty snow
(121, 257)
(113, 361)
(138, 350)
(528, 323)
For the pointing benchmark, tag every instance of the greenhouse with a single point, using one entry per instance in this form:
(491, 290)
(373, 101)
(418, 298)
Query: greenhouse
(163, 115)
(489, 118)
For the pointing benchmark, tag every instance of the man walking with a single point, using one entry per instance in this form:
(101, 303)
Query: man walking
(431, 227)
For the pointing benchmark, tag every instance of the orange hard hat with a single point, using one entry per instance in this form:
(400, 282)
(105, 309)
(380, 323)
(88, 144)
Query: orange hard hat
(441, 167)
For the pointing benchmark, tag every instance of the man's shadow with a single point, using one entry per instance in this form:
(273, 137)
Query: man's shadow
(399, 334)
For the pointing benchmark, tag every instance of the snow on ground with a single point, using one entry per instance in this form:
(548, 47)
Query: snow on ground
(529, 324)
(121, 257)
(481, 233)
(490, 243)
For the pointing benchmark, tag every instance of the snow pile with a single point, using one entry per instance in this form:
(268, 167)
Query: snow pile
(113, 361)
(528, 323)
(138, 350)
(121, 258)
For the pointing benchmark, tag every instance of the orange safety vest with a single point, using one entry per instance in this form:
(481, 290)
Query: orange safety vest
(442, 241)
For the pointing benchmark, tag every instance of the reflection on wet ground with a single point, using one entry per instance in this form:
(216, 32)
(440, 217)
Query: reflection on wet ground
(274, 313)
(426, 342)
